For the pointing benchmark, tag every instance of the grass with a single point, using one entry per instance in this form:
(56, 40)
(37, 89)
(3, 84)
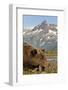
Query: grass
(51, 53)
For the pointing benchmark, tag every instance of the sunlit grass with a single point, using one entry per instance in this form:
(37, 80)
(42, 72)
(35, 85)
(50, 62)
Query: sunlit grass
(51, 53)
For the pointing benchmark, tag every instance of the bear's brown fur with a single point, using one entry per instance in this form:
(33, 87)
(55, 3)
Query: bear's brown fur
(34, 56)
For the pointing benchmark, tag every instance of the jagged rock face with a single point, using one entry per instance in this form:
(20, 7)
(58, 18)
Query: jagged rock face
(43, 26)
(42, 36)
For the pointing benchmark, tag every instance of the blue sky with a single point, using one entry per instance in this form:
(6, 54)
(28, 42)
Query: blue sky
(31, 21)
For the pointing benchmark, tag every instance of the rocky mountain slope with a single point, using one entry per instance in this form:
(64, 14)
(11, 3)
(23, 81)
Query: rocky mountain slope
(43, 35)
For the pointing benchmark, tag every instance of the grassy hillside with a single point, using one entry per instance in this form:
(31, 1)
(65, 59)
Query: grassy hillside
(51, 53)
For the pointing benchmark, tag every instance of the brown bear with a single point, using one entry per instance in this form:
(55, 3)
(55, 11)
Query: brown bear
(34, 57)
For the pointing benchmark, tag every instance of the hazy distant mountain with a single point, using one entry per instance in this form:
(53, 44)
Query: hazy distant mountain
(43, 35)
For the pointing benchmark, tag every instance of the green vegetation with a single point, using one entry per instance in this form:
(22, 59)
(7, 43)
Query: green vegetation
(51, 53)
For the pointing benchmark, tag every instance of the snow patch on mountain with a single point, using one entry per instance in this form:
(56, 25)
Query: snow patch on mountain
(41, 36)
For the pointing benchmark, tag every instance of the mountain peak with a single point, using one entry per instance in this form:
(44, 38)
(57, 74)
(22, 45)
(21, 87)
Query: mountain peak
(43, 26)
(43, 35)
(44, 22)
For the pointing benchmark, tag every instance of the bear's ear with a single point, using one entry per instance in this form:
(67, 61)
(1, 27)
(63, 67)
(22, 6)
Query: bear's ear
(33, 52)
